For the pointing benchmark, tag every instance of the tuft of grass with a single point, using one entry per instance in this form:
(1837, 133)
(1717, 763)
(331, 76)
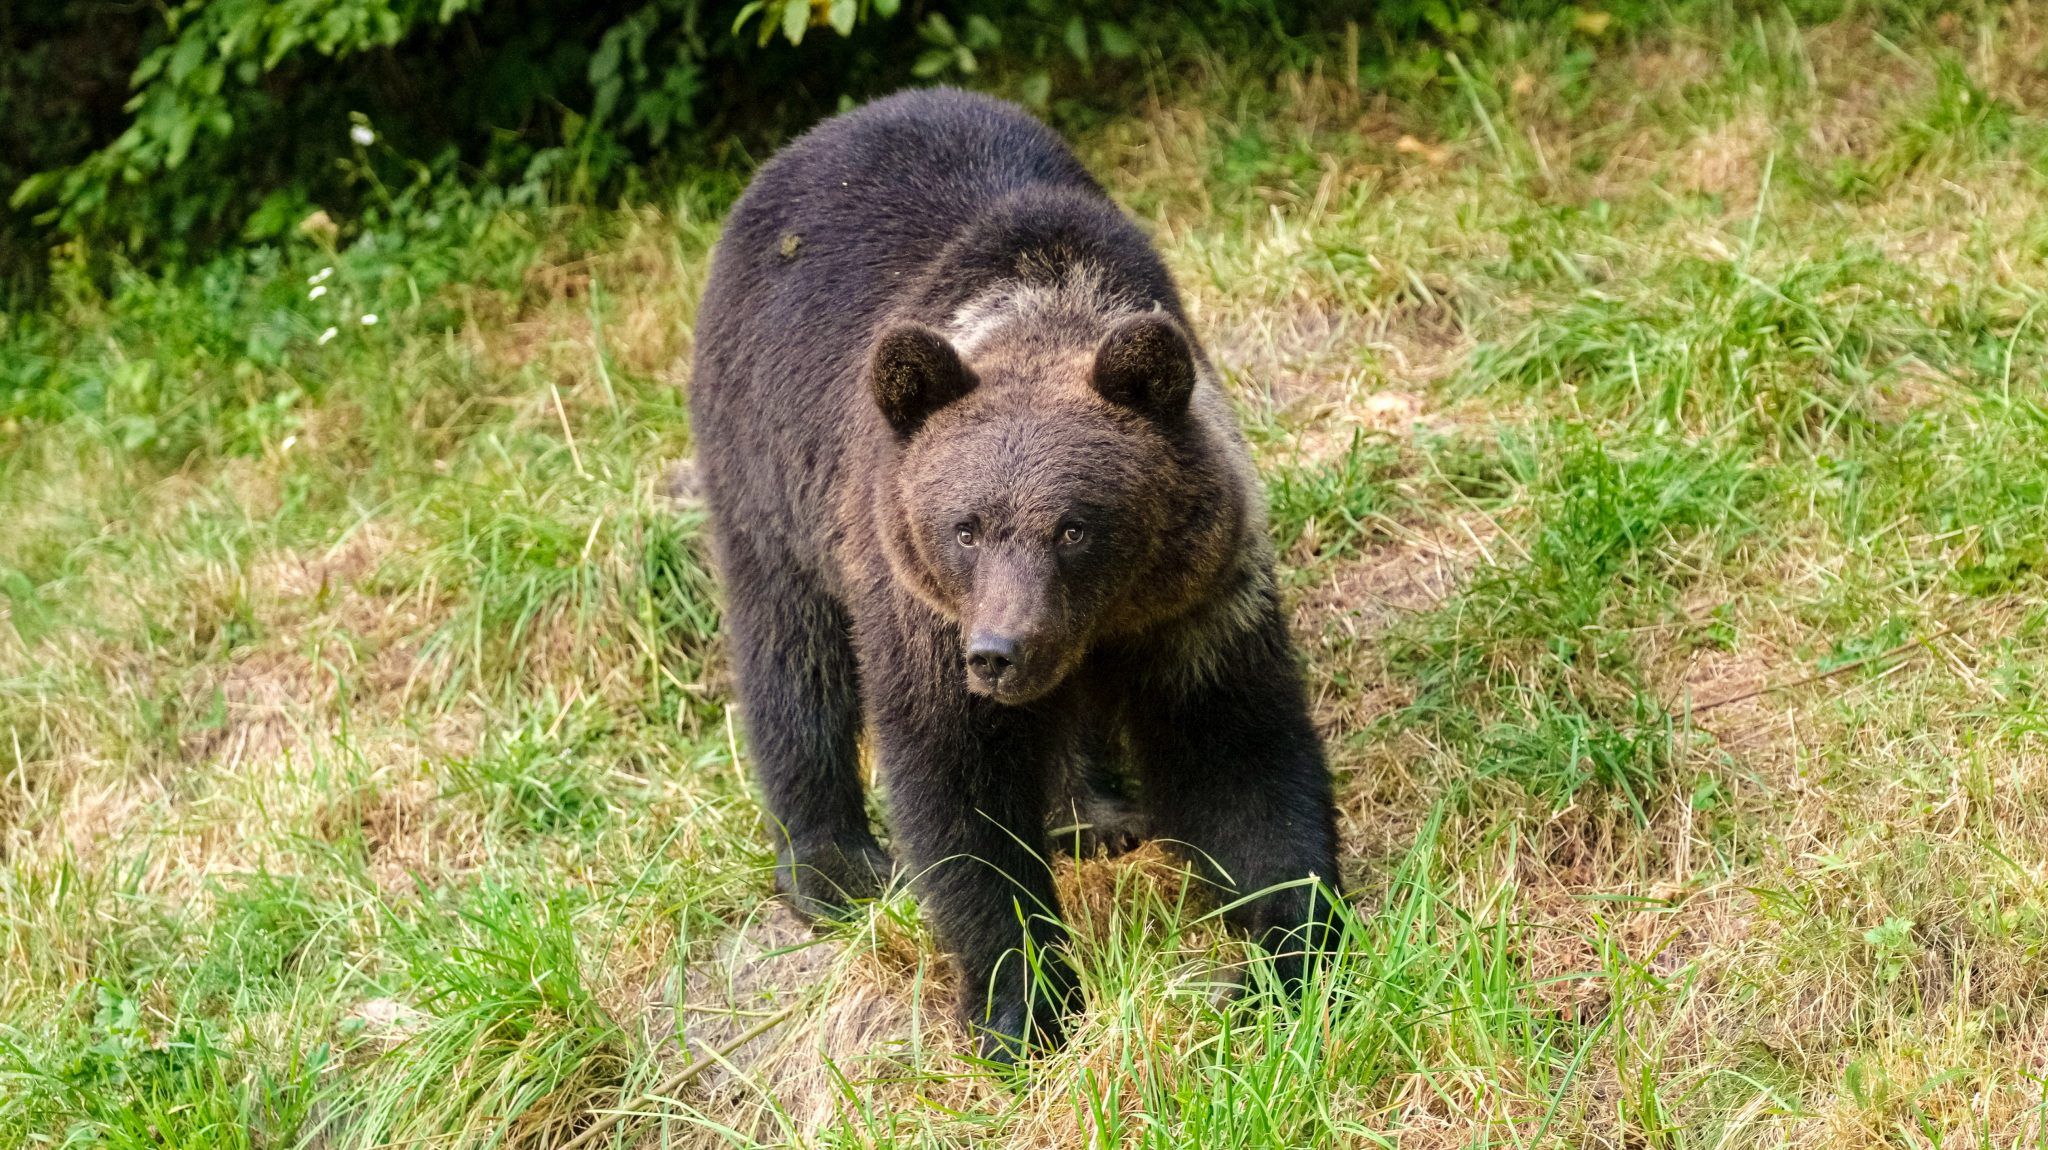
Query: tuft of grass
(507, 1043)
(1320, 512)
(536, 780)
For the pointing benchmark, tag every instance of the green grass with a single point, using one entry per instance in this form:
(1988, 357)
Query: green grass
(1655, 441)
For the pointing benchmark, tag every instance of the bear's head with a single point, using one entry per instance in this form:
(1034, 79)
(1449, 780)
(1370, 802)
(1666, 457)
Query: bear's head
(1047, 495)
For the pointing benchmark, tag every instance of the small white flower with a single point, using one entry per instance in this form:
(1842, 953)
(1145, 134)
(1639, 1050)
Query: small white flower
(330, 333)
(362, 135)
(317, 292)
(320, 276)
(370, 320)
(287, 444)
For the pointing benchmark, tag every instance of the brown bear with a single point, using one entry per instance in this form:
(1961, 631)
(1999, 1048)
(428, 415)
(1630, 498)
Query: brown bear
(973, 486)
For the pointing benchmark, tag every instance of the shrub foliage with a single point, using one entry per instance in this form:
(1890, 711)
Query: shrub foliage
(156, 133)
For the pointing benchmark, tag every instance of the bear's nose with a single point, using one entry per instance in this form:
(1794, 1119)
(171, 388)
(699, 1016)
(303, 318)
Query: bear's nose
(990, 656)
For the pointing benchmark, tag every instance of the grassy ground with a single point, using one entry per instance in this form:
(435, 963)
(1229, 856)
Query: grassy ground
(1656, 434)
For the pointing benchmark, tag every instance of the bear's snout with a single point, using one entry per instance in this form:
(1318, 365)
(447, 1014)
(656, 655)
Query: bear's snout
(993, 659)
(1013, 634)
(1012, 668)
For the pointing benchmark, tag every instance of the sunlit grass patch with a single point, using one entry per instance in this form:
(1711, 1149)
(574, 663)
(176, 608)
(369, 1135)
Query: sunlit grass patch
(1321, 511)
(1798, 354)
(1533, 669)
(504, 1041)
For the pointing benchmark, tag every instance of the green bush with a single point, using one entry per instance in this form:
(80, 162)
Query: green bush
(157, 134)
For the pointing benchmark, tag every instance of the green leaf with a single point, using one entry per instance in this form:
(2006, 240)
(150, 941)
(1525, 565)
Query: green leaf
(887, 8)
(1076, 36)
(937, 30)
(981, 34)
(604, 63)
(1116, 40)
(1036, 90)
(151, 65)
(275, 215)
(185, 57)
(796, 16)
(932, 62)
(32, 189)
(1893, 933)
(841, 15)
(180, 141)
(1706, 794)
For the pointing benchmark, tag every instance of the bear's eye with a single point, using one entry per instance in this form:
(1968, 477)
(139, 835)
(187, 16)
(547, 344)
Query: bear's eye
(965, 533)
(1073, 535)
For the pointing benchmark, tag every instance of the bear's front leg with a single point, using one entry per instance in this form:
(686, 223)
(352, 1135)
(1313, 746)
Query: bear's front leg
(1235, 779)
(967, 780)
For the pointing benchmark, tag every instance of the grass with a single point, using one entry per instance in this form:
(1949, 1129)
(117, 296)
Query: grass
(1653, 420)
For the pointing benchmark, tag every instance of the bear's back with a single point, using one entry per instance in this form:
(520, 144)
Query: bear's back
(882, 187)
(836, 225)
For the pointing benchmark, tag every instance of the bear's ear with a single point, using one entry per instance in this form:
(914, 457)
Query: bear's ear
(915, 372)
(1146, 364)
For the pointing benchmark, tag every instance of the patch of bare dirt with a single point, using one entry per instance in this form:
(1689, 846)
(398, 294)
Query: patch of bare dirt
(317, 622)
(312, 574)
(682, 485)
(1365, 593)
(1420, 343)
(96, 814)
(1728, 694)
(1728, 159)
(263, 698)
(410, 834)
(1331, 371)
(1682, 64)
(1855, 90)
(858, 1019)
(1357, 600)
(1589, 882)
(630, 306)
(1294, 356)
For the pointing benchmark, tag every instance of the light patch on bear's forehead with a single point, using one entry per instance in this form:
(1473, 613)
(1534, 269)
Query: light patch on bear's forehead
(1080, 303)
